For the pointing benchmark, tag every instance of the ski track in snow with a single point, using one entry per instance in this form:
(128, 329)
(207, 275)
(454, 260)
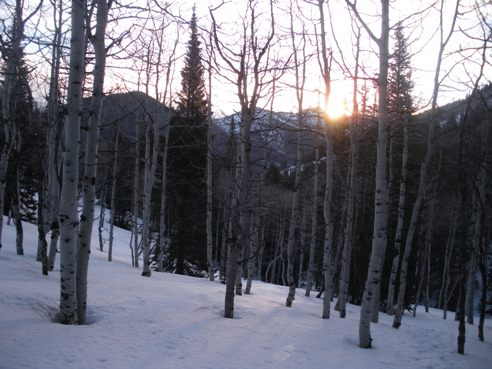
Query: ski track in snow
(172, 321)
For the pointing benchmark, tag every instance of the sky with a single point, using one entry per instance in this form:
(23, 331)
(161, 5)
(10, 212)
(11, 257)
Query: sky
(420, 19)
(422, 29)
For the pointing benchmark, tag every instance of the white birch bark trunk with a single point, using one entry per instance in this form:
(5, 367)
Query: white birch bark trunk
(351, 193)
(150, 166)
(162, 215)
(252, 255)
(54, 131)
(292, 229)
(325, 65)
(41, 232)
(483, 246)
(447, 262)
(406, 256)
(250, 64)
(349, 225)
(425, 269)
(68, 199)
(283, 270)
(472, 268)
(19, 231)
(280, 264)
(419, 275)
(423, 169)
(146, 204)
(261, 245)
(241, 204)
(427, 278)
(4, 158)
(449, 256)
(217, 237)
(239, 273)
(389, 186)
(314, 226)
(479, 245)
(226, 225)
(136, 196)
(269, 272)
(114, 180)
(390, 308)
(300, 78)
(328, 243)
(411, 231)
(90, 160)
(6, 148)
(279, 249)
(302, 247)
(380, 216)
(210, 262)
(100, 226)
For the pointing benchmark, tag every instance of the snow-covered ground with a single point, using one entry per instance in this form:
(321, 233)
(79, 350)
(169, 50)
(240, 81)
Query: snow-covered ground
(172, 321)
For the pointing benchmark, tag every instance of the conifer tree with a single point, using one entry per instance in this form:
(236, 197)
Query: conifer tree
(192, 100)
(400, 84)
(400, 109)
(188, 151)
(16, 103)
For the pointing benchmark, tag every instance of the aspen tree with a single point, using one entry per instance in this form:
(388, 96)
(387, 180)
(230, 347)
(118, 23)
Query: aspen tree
(68, 199)
(136, 196)
(380, 211)
(210, 263)
(251, 50)
(254, 244)
(325, 66)
(113, 193)
(443, 292)
(90, 160)
(301, 246)
(53, 135)
(464, 210)
(314, 224)
(162, 217)
(163, 97)
(351, 192)
(424, 166)
(300, 79)
(149, 178)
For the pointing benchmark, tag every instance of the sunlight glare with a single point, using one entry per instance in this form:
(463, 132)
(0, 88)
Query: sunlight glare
(337, 107)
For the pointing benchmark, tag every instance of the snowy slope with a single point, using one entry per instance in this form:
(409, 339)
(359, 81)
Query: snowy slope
(171, 321)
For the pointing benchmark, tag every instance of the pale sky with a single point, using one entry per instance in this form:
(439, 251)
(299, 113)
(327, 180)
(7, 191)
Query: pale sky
(421, 31)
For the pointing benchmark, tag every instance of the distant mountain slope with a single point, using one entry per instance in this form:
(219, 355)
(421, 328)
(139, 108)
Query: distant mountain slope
(126, 109)
(274, 135)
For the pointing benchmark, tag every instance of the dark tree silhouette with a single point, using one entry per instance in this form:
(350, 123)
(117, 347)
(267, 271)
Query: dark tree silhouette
(188, 151)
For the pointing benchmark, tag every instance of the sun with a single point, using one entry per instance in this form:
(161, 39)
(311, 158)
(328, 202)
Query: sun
(337, 107)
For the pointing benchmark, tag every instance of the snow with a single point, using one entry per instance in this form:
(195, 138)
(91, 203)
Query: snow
(172, 321)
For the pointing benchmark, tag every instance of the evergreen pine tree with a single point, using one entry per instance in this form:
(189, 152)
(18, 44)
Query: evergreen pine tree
(400, 84)
(192, 100)
(187, 160)
(17, 111)
(400, 109)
